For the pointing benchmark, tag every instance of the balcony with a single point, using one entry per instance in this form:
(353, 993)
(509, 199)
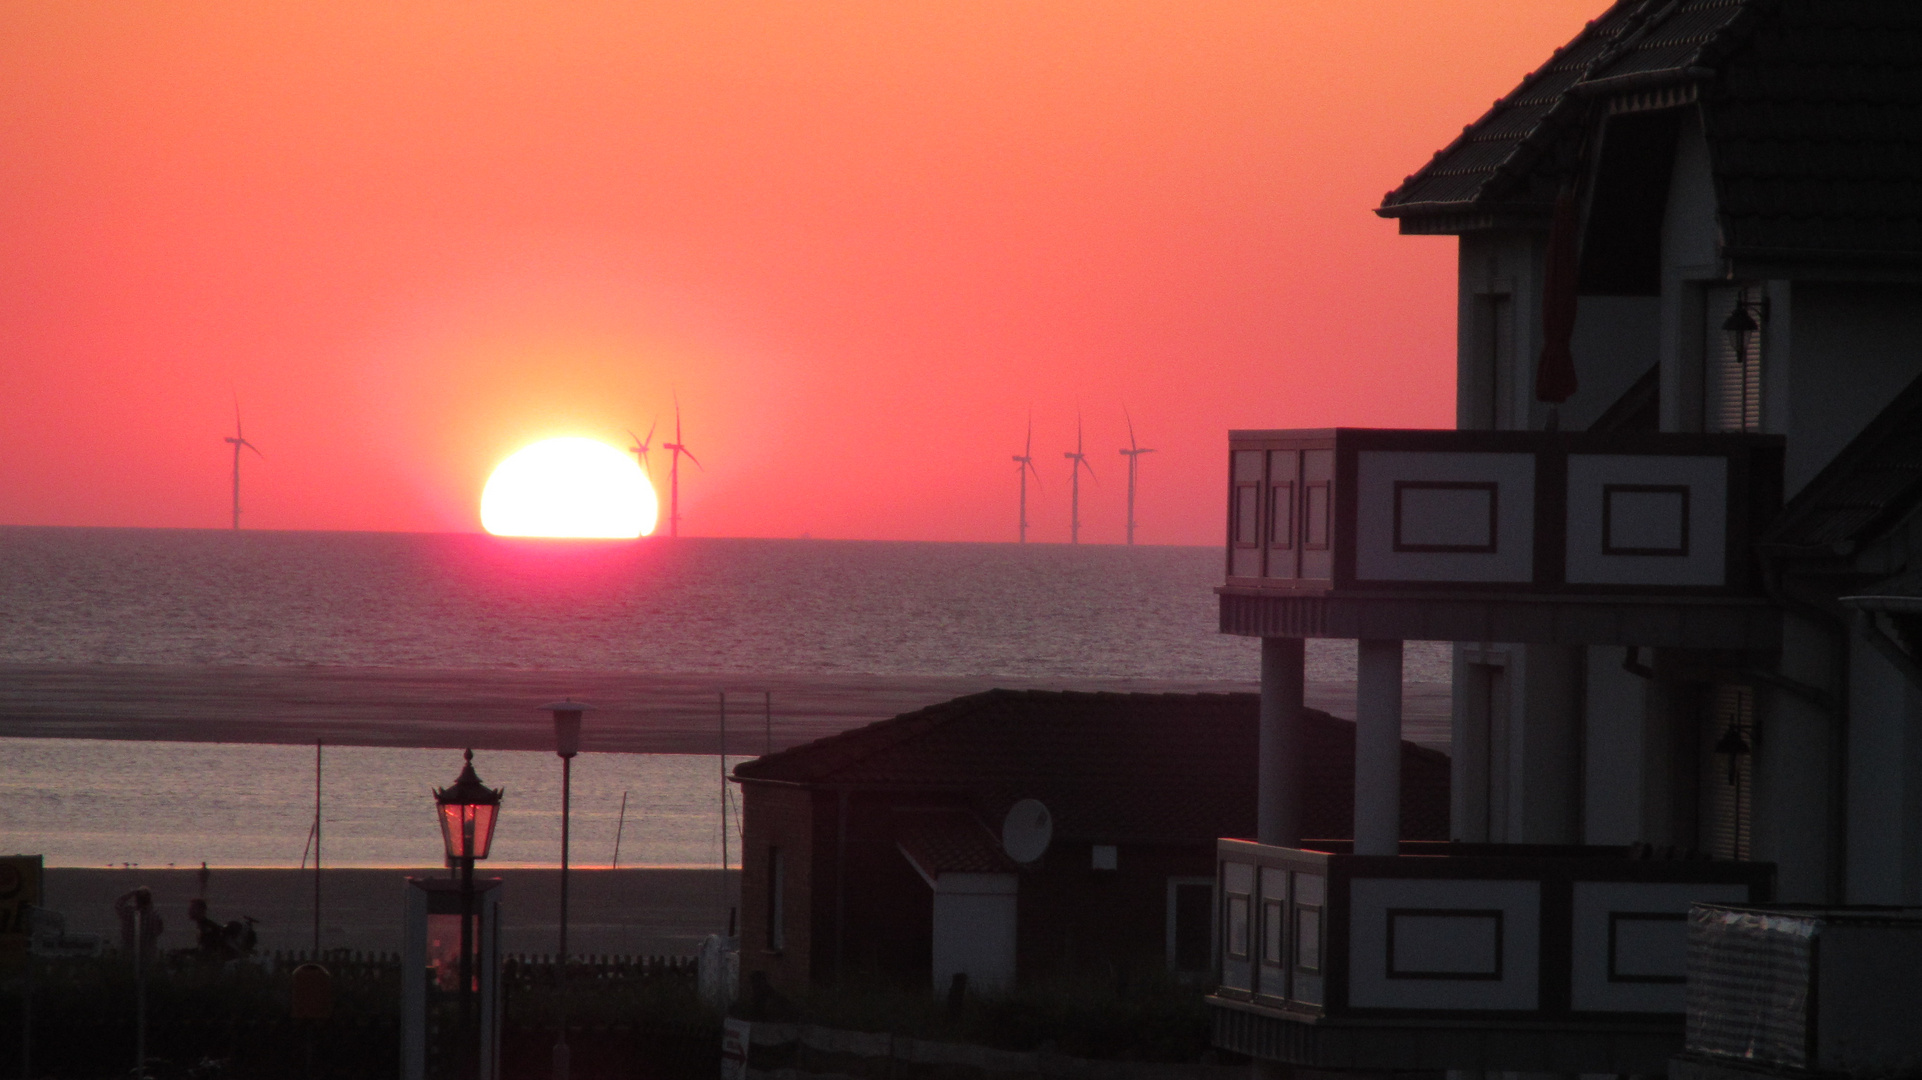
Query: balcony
(1523, 536)
(1460, 956)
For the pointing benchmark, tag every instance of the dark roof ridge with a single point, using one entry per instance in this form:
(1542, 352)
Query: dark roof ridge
(1662, 42)
(1508, 102)
(1842, 504)
(845, 748)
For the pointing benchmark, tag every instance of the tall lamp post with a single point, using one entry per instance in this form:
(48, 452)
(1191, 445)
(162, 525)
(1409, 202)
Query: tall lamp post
(467, 814)
(567, 743)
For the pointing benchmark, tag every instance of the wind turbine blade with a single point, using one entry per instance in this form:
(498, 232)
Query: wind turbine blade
(1035, 471)
(254, 448)
(695, 460)
(1131, 428)
(651, 425)
(1028, 450)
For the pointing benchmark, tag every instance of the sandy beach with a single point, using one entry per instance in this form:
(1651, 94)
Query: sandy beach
(499, 709)
(629, 912)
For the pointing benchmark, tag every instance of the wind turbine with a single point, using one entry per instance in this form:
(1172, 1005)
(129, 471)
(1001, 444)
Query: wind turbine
(1074, 471)
(1023, 465)
(640, 447)
(238, 440)
(674, 473)
(1133, 454)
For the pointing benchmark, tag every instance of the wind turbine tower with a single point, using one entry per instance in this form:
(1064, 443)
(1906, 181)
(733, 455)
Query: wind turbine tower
(1080, 461)
(1133, 454)
(238, 440)
(1023, 465)
(674, 473)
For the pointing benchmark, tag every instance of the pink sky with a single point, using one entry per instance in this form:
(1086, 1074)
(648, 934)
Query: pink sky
(861, 240)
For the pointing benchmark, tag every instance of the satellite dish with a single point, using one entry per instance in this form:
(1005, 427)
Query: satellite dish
(1026, 831)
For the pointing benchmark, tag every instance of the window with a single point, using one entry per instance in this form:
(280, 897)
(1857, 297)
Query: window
(1238, 927)
(1274, 905)
(1281, 516)
(1315, 518)
(1310, 893)
(1495, 374)
(1191, 905)
(1271, 939)
(1247, 515)
(776, 906)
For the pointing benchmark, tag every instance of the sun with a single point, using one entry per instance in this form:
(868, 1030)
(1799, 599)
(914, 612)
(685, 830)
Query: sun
(569, 487)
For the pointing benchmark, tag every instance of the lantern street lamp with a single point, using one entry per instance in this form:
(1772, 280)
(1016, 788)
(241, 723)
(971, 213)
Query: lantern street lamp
(1740, 326)
(567, 743)
(467, 814)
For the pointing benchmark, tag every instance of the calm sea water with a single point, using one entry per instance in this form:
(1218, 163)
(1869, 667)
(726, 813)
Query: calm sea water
(788, 607)
(167, 596)
(252, 805)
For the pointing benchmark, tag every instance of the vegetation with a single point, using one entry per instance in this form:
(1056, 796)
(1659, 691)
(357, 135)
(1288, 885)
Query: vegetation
(1151, 1017)
(627, 1018)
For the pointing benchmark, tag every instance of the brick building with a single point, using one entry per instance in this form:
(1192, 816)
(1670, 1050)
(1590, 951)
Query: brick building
(877, 854)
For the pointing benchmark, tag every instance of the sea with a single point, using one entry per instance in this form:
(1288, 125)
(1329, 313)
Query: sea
(742, 608)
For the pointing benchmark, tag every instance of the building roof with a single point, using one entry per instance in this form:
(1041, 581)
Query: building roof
(1898, 595)
(1812, 110)
(1864, 491)
(949, 842)
(1110, 767)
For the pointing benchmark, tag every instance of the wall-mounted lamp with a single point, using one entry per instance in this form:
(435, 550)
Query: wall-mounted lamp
(1743, 323)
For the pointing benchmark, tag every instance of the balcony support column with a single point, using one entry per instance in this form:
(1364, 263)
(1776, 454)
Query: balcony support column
(1378, 747)
(1278, 771)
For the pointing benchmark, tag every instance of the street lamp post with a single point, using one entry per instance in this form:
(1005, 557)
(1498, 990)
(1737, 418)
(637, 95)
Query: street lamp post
(567, 743)
(467, 813)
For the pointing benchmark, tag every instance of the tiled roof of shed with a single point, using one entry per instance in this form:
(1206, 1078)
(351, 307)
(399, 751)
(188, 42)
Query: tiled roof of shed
(949, 842)
(1865, 490)
(1812, 110)
(1110, 767)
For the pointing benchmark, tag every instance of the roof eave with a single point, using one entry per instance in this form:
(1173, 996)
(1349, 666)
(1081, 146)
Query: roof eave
(1441, 219)
(1640, 80)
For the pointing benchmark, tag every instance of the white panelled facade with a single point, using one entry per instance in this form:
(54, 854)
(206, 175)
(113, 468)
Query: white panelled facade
(1425, 516)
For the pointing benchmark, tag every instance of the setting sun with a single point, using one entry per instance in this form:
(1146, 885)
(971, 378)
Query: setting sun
(569, 487)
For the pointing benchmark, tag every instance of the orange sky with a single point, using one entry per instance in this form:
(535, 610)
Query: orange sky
(862, 239)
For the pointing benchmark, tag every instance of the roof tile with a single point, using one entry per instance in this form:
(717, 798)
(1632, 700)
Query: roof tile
(1110, 767)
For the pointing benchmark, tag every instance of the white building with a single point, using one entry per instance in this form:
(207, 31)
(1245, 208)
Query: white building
(1683, 591)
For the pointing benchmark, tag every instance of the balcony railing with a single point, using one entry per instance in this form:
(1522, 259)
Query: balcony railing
(1558, 958)
(1505, 511)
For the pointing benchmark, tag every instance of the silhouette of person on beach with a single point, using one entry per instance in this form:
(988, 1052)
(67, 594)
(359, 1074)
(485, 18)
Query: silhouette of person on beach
(211, 938)
(137, 916)
(220, 942)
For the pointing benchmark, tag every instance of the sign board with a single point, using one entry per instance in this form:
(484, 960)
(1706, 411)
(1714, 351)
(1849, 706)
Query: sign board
(20, 892)
(734, 1044)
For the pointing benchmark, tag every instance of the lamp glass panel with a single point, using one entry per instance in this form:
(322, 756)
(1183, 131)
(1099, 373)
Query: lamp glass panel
(467, 829)
(567, 733)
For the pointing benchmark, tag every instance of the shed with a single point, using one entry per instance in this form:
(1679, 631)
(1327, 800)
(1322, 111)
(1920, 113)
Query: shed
(876, 854)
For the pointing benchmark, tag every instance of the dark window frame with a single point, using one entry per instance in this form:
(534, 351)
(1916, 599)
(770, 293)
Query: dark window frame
(1494, 491)
(1308, 961)
(1235, 934)
(1608, 518)
(1615, 919)
(1254, 488)
(1281, 515)
(1496, 915)
(1309, 539)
